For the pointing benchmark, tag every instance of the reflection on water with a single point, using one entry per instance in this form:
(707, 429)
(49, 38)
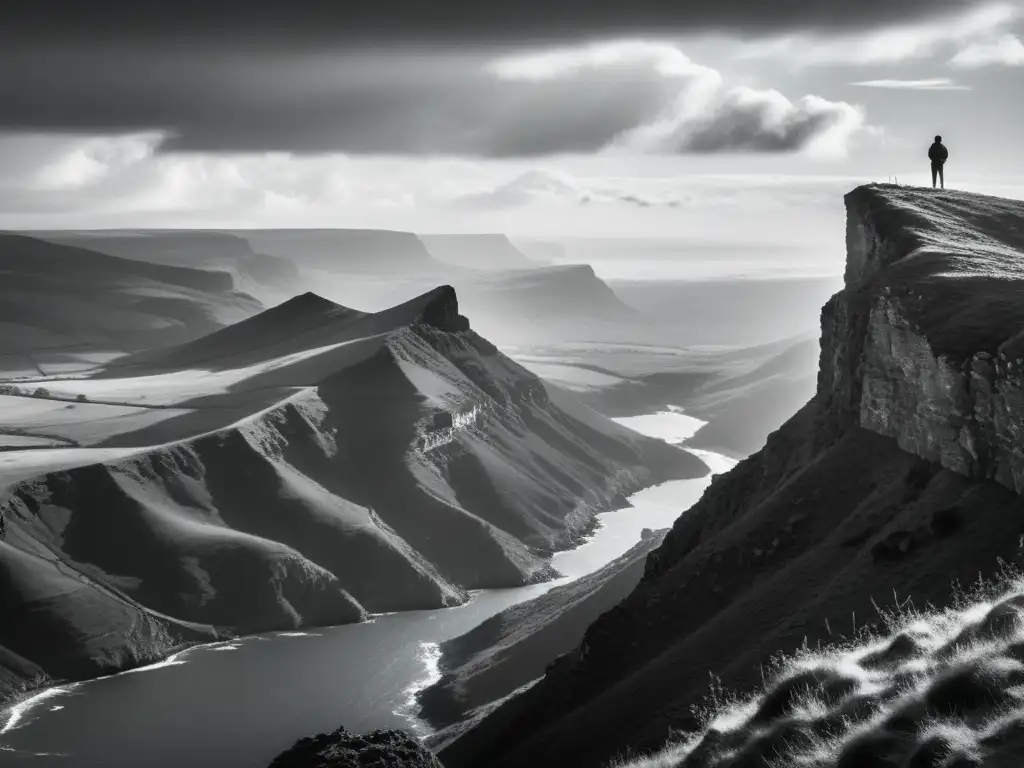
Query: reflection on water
(239, 709)
(430, 658)
(672, 426)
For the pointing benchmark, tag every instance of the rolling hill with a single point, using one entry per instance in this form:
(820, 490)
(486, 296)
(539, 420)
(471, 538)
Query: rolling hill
(67, 307)
(269, 278)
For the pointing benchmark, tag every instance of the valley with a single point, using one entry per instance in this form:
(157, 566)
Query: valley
(388, 477)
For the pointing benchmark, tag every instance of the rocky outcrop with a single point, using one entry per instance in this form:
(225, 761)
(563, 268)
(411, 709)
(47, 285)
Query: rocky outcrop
(341, 749)
(442, 311)
(925, 344)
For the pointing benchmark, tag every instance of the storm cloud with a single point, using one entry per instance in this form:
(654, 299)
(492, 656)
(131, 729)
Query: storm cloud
(633, 95)
(325, 24)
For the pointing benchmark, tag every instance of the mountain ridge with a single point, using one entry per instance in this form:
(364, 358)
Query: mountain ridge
(263, 275)
(60, 300)
(297, 466)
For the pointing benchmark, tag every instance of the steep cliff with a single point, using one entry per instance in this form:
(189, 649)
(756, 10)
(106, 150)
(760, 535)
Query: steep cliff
(926, 344)
(272, 475)
(900, 477)
(492, 252)
(377, 251)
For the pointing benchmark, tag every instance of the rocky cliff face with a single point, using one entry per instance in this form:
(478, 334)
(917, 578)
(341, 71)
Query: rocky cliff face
(925, 344)
(899, 478)
(443, 311)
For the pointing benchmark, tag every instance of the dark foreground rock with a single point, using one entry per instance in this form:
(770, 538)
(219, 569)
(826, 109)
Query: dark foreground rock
(341, 749)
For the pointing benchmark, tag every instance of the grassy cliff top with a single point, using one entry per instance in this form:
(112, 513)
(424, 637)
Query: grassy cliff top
(955, 260)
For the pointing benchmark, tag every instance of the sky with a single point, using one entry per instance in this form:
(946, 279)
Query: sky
(723, 120)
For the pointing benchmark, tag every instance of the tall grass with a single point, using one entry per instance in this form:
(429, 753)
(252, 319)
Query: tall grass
(918, 686)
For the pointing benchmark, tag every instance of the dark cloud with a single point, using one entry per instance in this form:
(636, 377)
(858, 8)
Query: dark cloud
(576, 99)
(358, 103)
(383, 76)
(322, 23)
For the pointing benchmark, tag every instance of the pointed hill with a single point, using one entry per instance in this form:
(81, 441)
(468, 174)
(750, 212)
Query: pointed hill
(299, 323)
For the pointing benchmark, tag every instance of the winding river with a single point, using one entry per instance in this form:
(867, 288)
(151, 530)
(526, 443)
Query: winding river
(238, 704)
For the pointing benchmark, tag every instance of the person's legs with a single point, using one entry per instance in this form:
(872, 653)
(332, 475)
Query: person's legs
(935, 172)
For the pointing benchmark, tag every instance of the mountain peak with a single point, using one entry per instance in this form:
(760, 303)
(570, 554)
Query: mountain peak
(309, 299)
(443, 310)
(308, 306)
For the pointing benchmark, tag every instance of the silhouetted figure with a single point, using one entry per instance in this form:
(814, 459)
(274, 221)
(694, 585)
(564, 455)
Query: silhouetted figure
(938, 154)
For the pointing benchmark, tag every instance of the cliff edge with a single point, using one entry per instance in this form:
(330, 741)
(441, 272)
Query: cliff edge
(926, 343)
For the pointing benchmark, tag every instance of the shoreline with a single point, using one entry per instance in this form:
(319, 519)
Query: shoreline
(14, 703)
(432, 657)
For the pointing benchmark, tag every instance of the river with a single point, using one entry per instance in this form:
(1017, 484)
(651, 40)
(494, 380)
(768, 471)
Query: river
(238, 704)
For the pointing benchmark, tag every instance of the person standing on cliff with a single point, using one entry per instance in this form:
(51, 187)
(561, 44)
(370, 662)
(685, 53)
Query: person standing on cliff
(938, 154)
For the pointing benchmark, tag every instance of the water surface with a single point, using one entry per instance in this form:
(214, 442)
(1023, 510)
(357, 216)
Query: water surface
(238, 704)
